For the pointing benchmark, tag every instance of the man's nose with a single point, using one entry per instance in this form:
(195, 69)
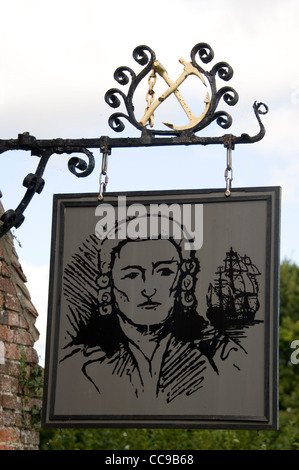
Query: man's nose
(148, 291)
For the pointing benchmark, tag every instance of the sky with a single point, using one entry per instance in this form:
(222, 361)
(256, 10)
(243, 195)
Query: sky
(57, 62)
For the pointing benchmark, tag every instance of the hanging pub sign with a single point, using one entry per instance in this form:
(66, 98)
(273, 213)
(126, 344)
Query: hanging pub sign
(163, 310)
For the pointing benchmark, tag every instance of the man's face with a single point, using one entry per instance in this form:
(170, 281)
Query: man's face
(145, 275)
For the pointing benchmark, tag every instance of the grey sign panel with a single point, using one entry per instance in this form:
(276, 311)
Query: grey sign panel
(163, 310)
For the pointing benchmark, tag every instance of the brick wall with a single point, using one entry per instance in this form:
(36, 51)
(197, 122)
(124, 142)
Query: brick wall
(20, 374)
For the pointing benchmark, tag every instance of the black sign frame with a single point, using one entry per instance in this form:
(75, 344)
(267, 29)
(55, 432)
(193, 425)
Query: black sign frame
(60, 409)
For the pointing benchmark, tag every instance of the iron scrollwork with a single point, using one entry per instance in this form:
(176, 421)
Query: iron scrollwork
(201, 53)
(34, 182)
(143, 55)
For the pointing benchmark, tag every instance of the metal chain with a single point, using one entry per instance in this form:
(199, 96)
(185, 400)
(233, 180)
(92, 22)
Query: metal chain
(103, 184)
(228, 174)
(151, 94)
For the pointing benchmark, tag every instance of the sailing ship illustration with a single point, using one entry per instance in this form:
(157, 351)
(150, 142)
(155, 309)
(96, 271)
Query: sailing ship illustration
(233, 298)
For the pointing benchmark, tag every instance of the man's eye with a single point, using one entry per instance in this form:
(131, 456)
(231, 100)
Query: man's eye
(131, 275)
(165, 271)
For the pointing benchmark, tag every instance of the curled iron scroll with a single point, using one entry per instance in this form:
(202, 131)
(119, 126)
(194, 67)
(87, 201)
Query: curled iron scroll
(35, 183)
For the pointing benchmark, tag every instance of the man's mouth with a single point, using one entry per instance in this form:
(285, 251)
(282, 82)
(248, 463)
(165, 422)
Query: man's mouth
(149, 305)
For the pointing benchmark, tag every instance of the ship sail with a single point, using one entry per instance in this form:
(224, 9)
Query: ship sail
(233, 296)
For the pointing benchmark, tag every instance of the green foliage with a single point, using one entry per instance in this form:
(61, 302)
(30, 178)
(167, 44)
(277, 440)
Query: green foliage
(156, 439)
(287, 438)
(30, 377)
(31, 382)
(289, 290)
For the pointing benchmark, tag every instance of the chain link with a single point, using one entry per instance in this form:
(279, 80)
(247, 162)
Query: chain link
(103, 183)
(151, 94)
(228, 174)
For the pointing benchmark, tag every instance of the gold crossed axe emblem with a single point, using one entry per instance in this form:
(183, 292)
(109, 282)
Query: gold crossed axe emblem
(189, 69)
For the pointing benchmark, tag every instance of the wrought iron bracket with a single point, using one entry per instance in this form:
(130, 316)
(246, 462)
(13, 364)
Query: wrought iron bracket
(150, 137)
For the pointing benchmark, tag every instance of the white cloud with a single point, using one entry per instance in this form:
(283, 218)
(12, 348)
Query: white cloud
(58, 58)
(287, 177)
(37, 284)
